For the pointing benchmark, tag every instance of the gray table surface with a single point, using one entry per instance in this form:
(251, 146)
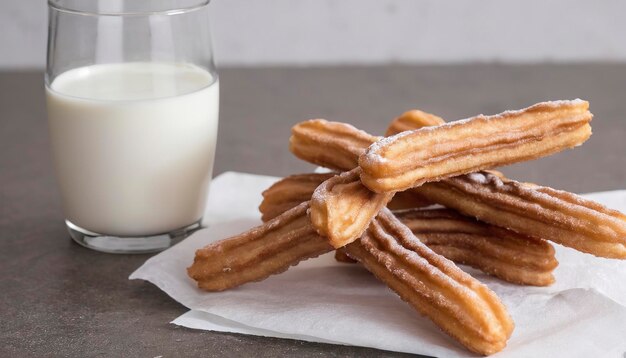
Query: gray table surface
(59, 299)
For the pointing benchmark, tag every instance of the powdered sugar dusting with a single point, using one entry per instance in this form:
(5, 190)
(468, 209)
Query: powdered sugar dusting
(372, 156)
(565, 102)
(323, 191)
(547, 104)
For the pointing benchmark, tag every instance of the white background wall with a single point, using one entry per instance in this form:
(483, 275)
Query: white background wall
(302, 32)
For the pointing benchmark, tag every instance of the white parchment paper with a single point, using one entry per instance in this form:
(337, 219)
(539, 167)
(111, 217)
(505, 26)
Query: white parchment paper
(582, 315)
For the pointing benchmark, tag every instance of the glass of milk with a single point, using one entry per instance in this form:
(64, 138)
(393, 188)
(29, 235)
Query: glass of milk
(132, 98)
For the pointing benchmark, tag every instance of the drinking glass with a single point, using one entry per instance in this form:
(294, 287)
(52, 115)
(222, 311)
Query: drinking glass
(132, 98)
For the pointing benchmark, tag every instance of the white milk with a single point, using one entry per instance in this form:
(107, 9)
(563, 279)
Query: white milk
(133, 145)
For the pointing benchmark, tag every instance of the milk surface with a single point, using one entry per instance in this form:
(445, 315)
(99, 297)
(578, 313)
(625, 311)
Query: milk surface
(133, 145)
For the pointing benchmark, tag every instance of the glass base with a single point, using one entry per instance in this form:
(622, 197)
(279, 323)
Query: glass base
(129, 245)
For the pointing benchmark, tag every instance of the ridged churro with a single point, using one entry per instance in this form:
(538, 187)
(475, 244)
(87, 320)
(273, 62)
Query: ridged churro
(499, 252)
(289, 192)
(533, 210)
(258, 253)
(332, 145)
(460, 305)
(342, 143)
(409, 159)
(342, 208)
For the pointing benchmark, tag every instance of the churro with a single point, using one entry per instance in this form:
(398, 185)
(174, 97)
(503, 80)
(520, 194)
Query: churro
(533, 210)
(409, 159)
(342, 208)
(259, 252)
(289, 192)
(340, 143)
(460, 305)
(498, 252)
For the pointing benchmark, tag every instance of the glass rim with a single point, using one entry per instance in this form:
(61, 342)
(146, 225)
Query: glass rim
(56, 5)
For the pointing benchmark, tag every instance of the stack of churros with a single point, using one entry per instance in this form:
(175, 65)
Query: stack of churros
(410, 205)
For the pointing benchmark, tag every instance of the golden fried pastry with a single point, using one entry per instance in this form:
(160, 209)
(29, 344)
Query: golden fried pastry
(411, 120)
(258, 253)
(337, 145)
(533, 210)
(460, 305)
(409, 159)
(342, 208)
(289, 192)
(322, 142)
(499, 252)
(332, 145)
